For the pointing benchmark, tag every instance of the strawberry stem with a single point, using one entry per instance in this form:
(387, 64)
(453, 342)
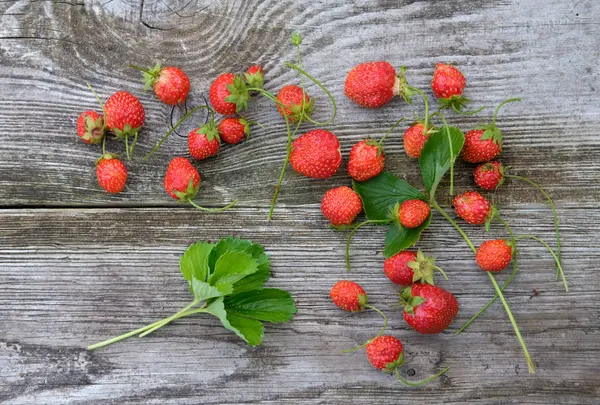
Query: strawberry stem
(422, 382)
(141, 69)
(441, 271)
(170, 319)
(135, 139)
(510, 100)
(471, 112)
(426, 100)
(556, 259)
(356, 228)
(381, 331)
(127, 147)
(452, 157)
(99, 102)
(454, 224)
(104, 145)
(231, 204)
(389, 131)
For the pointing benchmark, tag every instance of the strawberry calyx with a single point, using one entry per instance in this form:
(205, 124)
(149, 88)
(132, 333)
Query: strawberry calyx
(94, 130)
(238, 93)
(391, 367)
(491, 215)
(298, 111)
(409, 301)
(150, 75)
(491, 131)
(210, 131)
(127, 131)
(423, 268)
(189, 193)
(456, 103)
(106, 156)
(362, 301)
(255, 80)
(401, 87)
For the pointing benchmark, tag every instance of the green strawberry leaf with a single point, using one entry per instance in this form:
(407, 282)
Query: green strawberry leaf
(435, 156)
(230, 268)
(194, 262)
(252, 331)
(381, 193)
(399, 238)
(203, 291)
(267, 304)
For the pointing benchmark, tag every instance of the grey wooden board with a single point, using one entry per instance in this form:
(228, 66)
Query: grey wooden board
(78, 266)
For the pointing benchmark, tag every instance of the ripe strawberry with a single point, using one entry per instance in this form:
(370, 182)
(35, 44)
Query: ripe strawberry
(204, 142)
(414, 140)
(412, 213)
(489, 176)
(494, 255)
(348, 296)
(374, 84)
(228, 94)
(182, 180)
(233, 129)
(385, 353)
(255, 76)
(90, 127)
(472, 207)
(448, 84)
(124, 114)
(406, 268)
(111, 173)
(428, 309)
(170, 84)
(341, 205)
(316, 154)
(366, 160)
(291, 97)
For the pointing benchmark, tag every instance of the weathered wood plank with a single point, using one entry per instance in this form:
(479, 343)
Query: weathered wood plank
(59, 293)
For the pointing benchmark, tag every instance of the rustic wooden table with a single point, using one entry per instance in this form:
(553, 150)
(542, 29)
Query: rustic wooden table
(78, 266)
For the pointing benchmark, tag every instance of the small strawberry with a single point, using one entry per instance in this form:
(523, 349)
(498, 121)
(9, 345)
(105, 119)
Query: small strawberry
(228, 94)
(484, 142)
(124, 114)
(341, 205)
(366, 160)
(428, 308)
(406, 268)
(255, 76)
(412, 213)
(232, 130)
(494, 255)
(204, 142)
(448, 84)
(348, 296)
(291, 97)
(90, 127)
(111, 173)
(170, 84)
(316, 154)
(414, 140)
(374, 84)
(472, 207)
(490, 175)
(182, 180)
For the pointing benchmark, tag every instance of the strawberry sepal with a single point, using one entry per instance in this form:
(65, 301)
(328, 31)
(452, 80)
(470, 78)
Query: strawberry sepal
(456, 103)
(189, 193)
(393, 365)
(238, 94)
(255, 80)
(409, 301)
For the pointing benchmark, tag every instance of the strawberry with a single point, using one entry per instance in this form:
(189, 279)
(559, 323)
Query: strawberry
(170, 84)
(406, 268)
(348, 296)
(291, 97)
(490, 175)
(472, 207)
(448, 84)
(316, 154)
(428, 308)
(90, 127)
(341, 205)
(374, 84)
(182, 180)
(204, 142)
(385, 353)
(124, 114)
(414, 140)
(233, 129)
(494, 255)
(366, 160)
(111, 173)
(255, 76)
(228, 94)
(412, 213)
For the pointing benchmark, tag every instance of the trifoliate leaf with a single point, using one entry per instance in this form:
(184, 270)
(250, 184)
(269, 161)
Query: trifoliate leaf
(399, 238)
(250, 330)
(230, 268)
(240, 245)
(194, 262)
(267, 304)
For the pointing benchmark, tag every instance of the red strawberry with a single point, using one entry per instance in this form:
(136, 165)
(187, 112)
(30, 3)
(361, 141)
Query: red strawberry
(494, 255)
(255, 76)
(428, 309)
(233, 129)
(204, 142)
(472, 207)
(90, 127)
(489, 176)
(316, 154)
(171, 85)
(348, 296)
(341, 205)
(182, 180)
(385, 353)
(412, 213)
(111, 173)
(291, 97)
(124, 114)
(448, 84)
(414, 140)
(406, 268)
(366, 160)
(228, 94)
(374, 84)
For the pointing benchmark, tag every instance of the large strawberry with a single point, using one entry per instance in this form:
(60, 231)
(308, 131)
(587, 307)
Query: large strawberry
(484, 142)
(494, 255)
(448, 84)
(228, 94)
(374, 84)
(232, 130)
(366, 160)
(406, 268)
(111, 173)
(316, 154)
(170, 84)
(412, 213)
(124, 116)
(291, 97)
(428, 308)
(414, 140)
(204, 142)
(341, 205)
(490, 175)
(90, 127)
(473, 207)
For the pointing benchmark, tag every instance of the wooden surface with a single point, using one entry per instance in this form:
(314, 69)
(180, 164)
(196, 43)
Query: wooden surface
(78, 266)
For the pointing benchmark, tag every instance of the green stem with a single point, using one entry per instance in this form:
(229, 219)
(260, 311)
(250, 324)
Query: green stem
(99, 102)
(174, 127)
(389, 131)
(381, 331)
(231, 204)
(169, 319)
(135, 139)
(471, 112)
(510, 100)
(426, 100)
(441, 271)
(422, 382)
(127, 147)
(455, 225)
(553, 255)
(356, 228)
(451, 152)
(141, 69)
(104, 145)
